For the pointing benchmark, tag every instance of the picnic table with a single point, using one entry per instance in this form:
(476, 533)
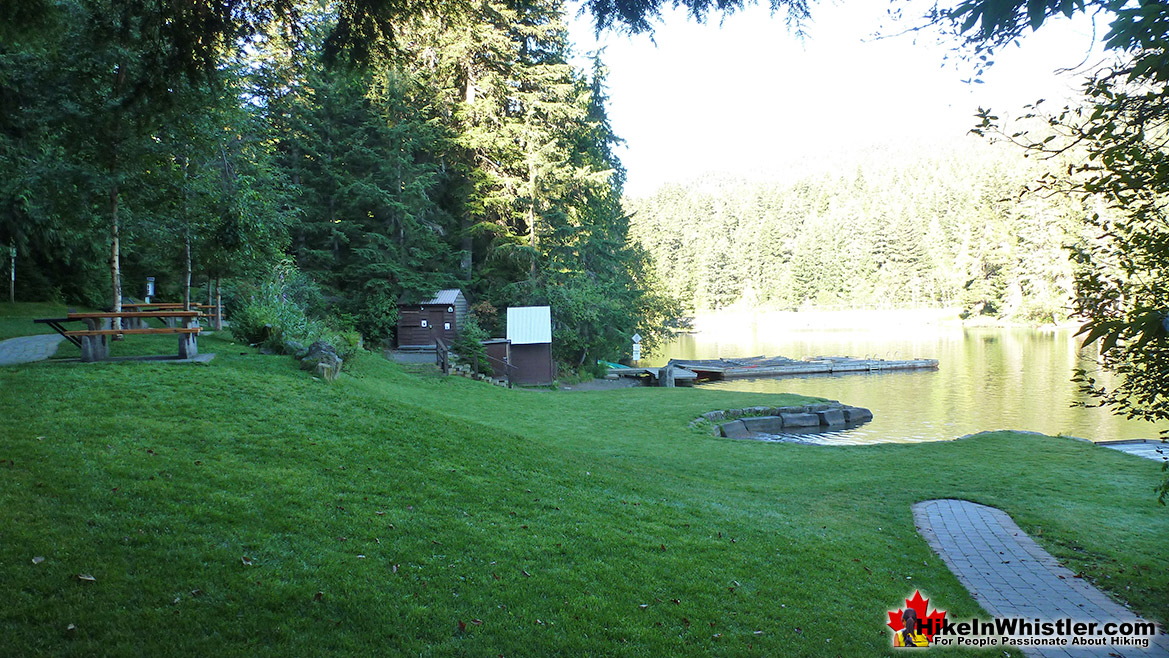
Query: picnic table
(94, 339)
(215, 311)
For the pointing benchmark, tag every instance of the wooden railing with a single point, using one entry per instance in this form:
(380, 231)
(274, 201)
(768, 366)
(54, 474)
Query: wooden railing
(442, 356)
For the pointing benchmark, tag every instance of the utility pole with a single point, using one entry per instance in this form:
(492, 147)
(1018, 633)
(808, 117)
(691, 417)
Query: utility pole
(12, 277)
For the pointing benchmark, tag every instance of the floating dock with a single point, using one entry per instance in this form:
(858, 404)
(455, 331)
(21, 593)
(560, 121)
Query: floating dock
(778, 366)
(649, 376)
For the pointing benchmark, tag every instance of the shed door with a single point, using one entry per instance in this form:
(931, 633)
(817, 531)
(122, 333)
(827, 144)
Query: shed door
(436, 318)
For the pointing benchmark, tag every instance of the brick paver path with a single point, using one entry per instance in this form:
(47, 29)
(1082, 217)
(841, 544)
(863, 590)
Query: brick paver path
(28, 348)
(1011, 576)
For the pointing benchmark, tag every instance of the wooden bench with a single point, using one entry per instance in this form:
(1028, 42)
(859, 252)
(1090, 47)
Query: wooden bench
(212, 312)
(94, 340)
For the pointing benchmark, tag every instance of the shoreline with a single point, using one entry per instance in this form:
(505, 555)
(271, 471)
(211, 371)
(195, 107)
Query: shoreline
(869, 320)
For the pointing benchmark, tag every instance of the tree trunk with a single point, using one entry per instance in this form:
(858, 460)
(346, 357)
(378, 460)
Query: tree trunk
(187, 271)
(115, 246)
(532, 214)
(115, 256)
(12, 274)
(186, 242)
(218, 306)
(468, 246)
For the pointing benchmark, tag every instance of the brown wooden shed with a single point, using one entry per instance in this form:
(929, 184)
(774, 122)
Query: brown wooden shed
(442, 315)
(529, 333)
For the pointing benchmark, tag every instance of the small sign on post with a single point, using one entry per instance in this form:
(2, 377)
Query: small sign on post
(637, 347)
(149, 288)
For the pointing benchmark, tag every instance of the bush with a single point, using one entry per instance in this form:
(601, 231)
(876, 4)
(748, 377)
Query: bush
(469, 345)
(275, 315)
(378, 317)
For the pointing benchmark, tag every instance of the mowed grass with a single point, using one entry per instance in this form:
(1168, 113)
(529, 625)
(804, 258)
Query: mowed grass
(17, 319)
(242, 508)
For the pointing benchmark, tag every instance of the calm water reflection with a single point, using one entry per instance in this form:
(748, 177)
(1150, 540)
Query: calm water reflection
(988, 379)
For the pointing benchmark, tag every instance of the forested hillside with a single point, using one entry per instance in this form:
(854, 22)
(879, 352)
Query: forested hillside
(463, 150)
(946, 227)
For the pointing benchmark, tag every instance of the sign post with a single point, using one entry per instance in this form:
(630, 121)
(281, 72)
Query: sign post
(12, 270)
(149, 288)
(636, 348)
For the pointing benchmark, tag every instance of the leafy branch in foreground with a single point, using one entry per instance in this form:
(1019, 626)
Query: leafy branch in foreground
(1118, 143)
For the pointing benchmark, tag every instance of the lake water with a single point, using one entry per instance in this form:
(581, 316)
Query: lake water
(988, 378)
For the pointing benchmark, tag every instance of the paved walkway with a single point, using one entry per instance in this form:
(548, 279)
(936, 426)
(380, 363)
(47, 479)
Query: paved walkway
(1149, 449)
(28, 349)
(1011, 576)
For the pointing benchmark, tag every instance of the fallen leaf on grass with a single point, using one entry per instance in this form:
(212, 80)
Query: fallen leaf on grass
(196, 592)
(462, 626)
(246, 560)
(716, 636)
(643, 606)
(38, 559)
(675, 601)
(477, 622)
(759, 632)
(526, 574)
(318, 596)
(394, 569)
(360, 557)
(70, 627)
(86, 578)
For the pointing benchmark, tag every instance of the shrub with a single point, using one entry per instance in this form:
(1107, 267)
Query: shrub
(275, 315)
(469, 344)
(378, 317)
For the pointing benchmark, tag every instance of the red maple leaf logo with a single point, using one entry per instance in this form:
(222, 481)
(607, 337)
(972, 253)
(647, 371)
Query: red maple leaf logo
(930, 623)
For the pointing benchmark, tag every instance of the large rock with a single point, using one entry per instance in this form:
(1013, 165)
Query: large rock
(735, 430)
(831, 418)
(857, 415)
(764, 424)
(322, 360)
(800, 420)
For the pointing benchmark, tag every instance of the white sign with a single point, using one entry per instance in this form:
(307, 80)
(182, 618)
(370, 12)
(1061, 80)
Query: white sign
(637, 338)
(637, 352)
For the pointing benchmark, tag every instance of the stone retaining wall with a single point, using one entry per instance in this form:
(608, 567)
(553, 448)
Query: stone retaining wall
(750, 422)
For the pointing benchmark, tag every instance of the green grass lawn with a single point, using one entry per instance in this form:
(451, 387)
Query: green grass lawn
(241, 508)
(17, 319)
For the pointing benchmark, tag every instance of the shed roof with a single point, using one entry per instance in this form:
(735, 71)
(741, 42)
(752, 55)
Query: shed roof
(529, 325)
(447, 297)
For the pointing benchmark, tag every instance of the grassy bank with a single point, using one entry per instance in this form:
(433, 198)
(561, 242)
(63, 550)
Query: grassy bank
(242, 509)
(17, 319)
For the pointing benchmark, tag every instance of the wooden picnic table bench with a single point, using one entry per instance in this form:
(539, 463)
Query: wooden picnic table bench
(94, 339)
(212, 310)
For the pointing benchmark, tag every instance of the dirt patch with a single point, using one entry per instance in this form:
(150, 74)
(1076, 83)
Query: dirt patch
(601, 385)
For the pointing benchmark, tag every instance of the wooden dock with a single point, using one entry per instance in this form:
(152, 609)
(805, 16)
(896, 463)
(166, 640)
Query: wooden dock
(760, 366)
(649, 376)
